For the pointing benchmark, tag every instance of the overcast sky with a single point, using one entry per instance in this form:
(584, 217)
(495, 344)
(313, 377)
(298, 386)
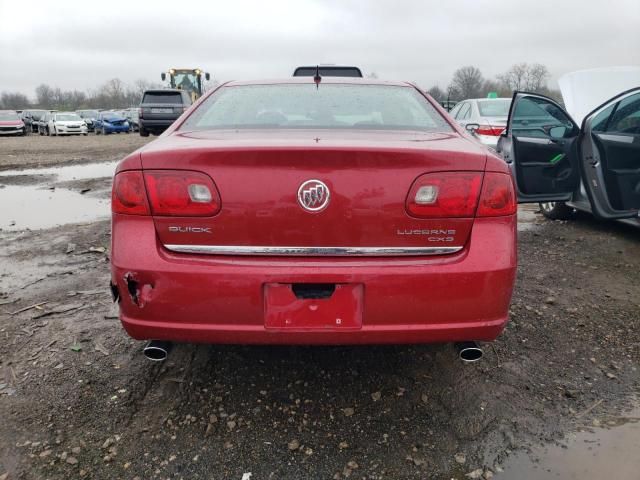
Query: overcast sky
(81, 44)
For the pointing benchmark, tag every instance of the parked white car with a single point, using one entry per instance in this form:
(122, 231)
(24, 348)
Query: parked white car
(66, 123)
(485, 118)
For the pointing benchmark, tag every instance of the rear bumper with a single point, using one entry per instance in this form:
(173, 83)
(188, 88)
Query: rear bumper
(220, 299)
(156, 124)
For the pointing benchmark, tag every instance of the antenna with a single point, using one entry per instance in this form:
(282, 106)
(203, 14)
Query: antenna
(317, 78)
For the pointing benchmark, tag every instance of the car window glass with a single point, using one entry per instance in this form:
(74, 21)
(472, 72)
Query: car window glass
(163, 97)
(455, 110)
(626, 118)
(494, 108)
(336, 106)
(535, 117)
(464, 111)
(599, 122)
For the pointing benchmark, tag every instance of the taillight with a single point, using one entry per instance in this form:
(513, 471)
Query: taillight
(445, 195)
(489, 130)
(498, 197)
(128, 194)
(181, 193)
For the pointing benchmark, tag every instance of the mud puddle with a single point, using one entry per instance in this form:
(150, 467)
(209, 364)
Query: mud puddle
(65, 173)
(527, 217)
(608, 451)
(43, 198)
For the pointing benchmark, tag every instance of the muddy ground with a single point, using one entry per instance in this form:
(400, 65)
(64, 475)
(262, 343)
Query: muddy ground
(78, 399)
(38, 151)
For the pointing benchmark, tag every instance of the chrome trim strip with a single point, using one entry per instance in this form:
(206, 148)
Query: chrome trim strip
(311, 251)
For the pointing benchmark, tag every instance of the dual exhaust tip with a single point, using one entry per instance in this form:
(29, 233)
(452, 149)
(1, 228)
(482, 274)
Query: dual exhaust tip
(158, 351)
(469, 352)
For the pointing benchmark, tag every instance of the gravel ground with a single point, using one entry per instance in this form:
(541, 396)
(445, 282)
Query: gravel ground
(78, 399)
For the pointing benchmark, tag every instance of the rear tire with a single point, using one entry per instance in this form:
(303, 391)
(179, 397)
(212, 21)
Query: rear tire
(143, 132)
(556, 210)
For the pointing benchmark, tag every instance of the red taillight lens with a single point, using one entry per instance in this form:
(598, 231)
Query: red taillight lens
(445, 195)
(489, 130)
(498, 196)
(181, 193)
(128, 194)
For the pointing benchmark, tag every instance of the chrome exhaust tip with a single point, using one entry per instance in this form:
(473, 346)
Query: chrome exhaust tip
(157, 350)
(469, 352)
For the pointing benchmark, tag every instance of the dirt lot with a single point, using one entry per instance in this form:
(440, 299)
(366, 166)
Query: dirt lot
(38, 151)
(78, 399)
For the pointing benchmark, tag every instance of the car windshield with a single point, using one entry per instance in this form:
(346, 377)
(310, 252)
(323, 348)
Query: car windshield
(334, 106)
(8, 116)
(67, 117)
(89, 114)
(494, 108)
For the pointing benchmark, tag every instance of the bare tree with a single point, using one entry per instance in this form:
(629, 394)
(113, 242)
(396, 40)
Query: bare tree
(437, 93)
(537, 75)
(468, 82)
(44, 96)
(523, 76)
(14, 101)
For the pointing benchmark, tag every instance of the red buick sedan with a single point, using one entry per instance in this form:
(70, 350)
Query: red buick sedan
(334, 211)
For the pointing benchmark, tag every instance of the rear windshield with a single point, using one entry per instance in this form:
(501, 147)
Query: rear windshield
(7, 116)
(494, 108)
(162, 97)
(334, 106)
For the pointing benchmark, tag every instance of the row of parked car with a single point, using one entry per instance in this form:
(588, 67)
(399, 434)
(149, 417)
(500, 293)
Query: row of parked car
(158, 110)
(80, 122)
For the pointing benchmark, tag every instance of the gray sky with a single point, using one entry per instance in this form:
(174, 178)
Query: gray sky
(78, 45)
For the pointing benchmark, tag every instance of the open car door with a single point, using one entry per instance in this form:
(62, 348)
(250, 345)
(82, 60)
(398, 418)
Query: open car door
(540, 146)
(610, 151)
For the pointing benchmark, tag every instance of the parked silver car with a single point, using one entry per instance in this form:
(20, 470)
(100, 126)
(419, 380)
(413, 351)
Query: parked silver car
(485, 118)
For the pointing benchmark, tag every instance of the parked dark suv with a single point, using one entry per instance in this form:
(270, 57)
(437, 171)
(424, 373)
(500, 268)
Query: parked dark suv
(160, 108)
(31, 119)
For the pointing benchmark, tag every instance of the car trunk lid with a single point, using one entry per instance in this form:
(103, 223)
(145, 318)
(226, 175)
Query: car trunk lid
(259, 176)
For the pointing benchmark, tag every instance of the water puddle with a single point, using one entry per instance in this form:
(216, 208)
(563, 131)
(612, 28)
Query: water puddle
(32, 204)
(607, 452)
(527, 217)
(67, 172)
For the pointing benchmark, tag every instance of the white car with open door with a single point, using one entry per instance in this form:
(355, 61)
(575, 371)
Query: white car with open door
(594, 167)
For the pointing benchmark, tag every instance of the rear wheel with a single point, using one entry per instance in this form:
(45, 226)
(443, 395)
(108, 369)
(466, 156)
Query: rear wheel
(556, 210)
(143, 132)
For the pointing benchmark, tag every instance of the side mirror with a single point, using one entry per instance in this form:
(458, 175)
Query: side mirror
(471, 128)
(163, 76)
(207, 77)
(557, 132)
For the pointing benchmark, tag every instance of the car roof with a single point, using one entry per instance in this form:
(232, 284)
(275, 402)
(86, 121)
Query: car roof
(163, 90)
(484, 99)
(309, 80)
(8, 111)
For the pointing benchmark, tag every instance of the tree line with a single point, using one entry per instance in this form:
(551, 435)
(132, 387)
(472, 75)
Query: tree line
(113, 94)
(468, 82)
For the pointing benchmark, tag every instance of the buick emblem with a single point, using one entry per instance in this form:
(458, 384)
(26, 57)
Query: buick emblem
(313, 195)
